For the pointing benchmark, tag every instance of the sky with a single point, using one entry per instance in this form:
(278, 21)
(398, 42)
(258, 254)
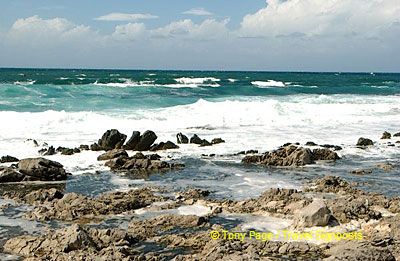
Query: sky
(272, 35)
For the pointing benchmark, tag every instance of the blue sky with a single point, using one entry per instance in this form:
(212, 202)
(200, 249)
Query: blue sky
(300, 35)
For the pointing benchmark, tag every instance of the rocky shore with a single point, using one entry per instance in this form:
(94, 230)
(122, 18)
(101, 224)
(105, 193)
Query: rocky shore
(157, 224)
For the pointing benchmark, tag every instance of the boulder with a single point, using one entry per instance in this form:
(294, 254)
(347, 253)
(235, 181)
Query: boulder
(364, 142)
(324, 154)
(112, 154)
(42, 169)
(112, 139)
(315, 214)
(146, 140)
(195, 139)
(205, 143)
(95, 147)
(50, 151)
(311, 143)
(396, 134)
(8, 158)
(164, 146)
(8, 174)
(133, 141)
(386, 135)
(217, 141)
(182, 139)
(84, 147)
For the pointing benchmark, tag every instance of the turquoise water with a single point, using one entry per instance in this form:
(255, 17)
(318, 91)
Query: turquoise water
(35, 90)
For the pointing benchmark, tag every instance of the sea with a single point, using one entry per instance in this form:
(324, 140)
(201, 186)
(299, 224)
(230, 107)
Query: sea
(249, 110)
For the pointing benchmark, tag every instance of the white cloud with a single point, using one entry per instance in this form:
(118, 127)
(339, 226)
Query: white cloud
(199, 11)
(131, 31)
(329, 18)
(206, 30)
(124, 17)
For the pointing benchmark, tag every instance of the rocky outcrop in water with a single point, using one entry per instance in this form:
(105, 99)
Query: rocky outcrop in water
(364, 142)
(8, 159)
(195, 139)
(164, 146)
(112, 139)
(386, 135)
(42, 169)
(112, 154)
(181, 138)
(10, 174)
(291, 156)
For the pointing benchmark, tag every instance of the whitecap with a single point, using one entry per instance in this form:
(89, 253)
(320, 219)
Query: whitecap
(268, 83)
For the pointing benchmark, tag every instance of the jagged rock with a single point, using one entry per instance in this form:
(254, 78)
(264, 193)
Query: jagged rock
(112, 154)
(50, 151)
(95, 147)
(181, 138)
(205, 143)
(164, 146)
(133, 141)
(8, 158)
(331, 184)
(364, 142)
(9, 174)
(112, 139)
(139, 162)
(217, 141)
(42, 169)
(195, 139)
(315, 214)
(324, 154)
(386, 135)
(146, 140)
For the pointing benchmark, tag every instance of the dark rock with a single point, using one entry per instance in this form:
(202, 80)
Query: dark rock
(182, 139)
(133, 141)
(50, 151)
(146, 140)
(84, 147)
(241, 153)
(9, 174)
(140, 162)
(329, 146)
(35, 143)
(112, 139)
(217, 141)
(195, 139)
(386, 135)
(251, 152)
(310, 143)
(77, 150)
(42, 169)
(139, 155)
(205, 143)
(8, 158)
(364, 142)
(95, 147)
(164, 146)
(67, 151)
(396, 134)
(361, 171)
(153, 157)
(324, 154)
(112, 154)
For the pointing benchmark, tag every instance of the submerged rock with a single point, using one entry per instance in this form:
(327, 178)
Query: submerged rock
(42, 169)
(364, 142)
(385, 166)
(8, 158)
(112, 139)
(181, 139)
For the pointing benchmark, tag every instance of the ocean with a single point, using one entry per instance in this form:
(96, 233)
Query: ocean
(249, 110)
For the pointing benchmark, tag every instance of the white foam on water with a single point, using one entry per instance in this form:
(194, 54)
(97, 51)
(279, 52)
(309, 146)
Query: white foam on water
(29, 82)
(232, 80)
(269, 83)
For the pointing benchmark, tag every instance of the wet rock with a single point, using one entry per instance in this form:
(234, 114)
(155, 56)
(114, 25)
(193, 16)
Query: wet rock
(133, 141)
(146, 140)
(164, 146)
(311, 143)
(66, 151)
(315, 214)
(385, 166)
(74, 206)
(251, 152)
(192, 194)
(217, 141)
(73, 243)
(324, 154)
(181, 138)
(386, 135)
(331, 184)
(42, 169)
(42, 195)
(155, 226)
(361, 171)
(396, 134)
(84, 147)
(205, 143)
(8, 158)
(95, 147)
(77, 150)
(112, 139)
(112, 154)
(329, 146)
(195, 139)
(364, 142)
(9, 174)
(291, 156)
(48, 152)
